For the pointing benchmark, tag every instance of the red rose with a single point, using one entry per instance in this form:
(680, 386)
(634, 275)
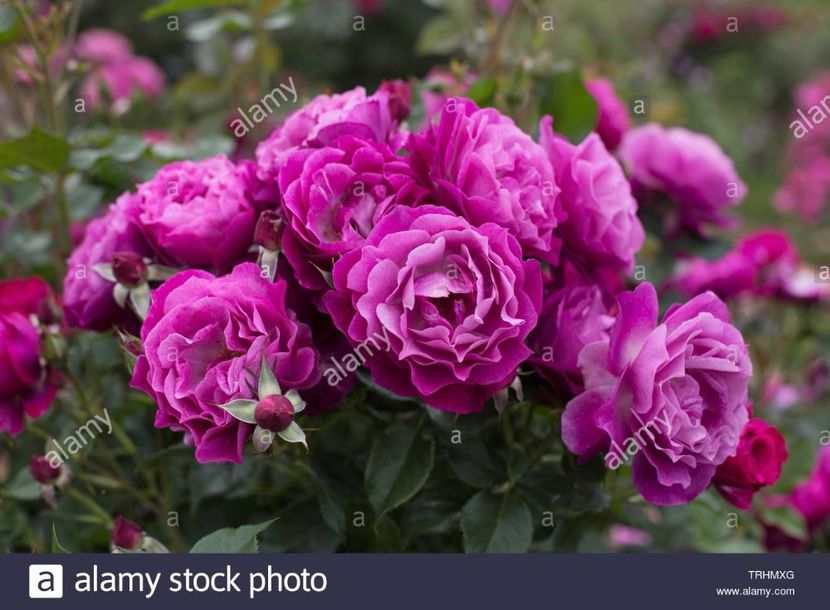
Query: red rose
(761, 452)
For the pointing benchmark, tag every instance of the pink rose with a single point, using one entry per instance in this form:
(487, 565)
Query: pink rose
(672, 394)
(689, 168)
(481, 166)
(601, 229)
(439, 309)
(199, 213)
(333, 196)
(204, 340)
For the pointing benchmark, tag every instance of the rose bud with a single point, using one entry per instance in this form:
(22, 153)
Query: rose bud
(129, 268)
(126, 534)
(268, 232)
(274, 413)
(761, 452)
(400, 98)
(42, 470)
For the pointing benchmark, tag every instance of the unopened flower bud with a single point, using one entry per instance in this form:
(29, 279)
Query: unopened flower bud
(268, 232)
(126, 534)
(129, 268)
(274, 413)
(42, 470)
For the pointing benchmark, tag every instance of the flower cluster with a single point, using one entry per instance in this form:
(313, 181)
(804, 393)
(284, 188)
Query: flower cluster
(446, 261)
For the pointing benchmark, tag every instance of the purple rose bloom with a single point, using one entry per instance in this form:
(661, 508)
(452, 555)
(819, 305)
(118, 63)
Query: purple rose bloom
(689, 168)
(199, 213)
(572, 317)
(25, 388)
(613, 119)
(87, 297)
(438, 308)
(204, 341)
(602, 229)
(332, 197)
(486, 169)
(323, 120)
(673, 395)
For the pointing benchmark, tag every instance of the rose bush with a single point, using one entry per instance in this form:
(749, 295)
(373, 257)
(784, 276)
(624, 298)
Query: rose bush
(454, 310)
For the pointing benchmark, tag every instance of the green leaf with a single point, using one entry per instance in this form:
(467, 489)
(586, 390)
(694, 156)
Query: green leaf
(387, 535)
(496, 524)
(473, 463)
(9, 23)
(57, 547)
(440, 36)
(786, 518)
(38, 149)
(232, 539)
(565, 98)
(398, 466)
(173, 6)
(22, 487)
(331, 506)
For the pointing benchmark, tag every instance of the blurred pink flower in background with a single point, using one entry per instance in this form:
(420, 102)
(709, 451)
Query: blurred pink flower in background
(764, 263)
(778, 393)
(120, 81)
(101, 46)
(624, 536)
(117, 73)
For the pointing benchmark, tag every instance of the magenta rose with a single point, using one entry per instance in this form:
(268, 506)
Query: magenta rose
(602, 229)
(761, 453)
(25, 388)
(613, 119)
(689, 168)
(672, 395)
(484, 168)
(332, 197)
(438, 308)
(573, 316)
(325, 119)
(87, 297)
(199, 213)
(204, 341)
